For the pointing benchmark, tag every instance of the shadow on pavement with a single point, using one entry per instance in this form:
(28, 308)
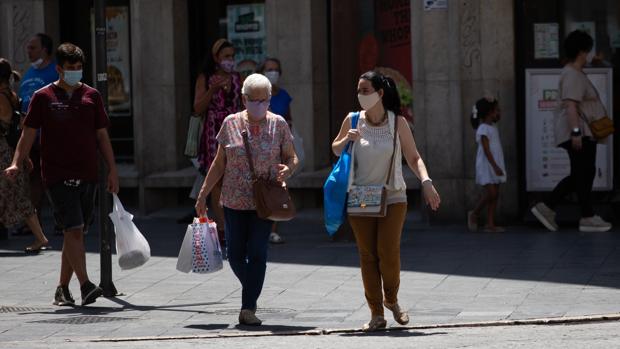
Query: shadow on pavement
(391, 333)
(522, 253)
(210, 327)
(274, 328)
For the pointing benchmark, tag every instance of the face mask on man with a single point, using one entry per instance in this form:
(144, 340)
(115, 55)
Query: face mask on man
(72, 77)
(227, 65)
(590, 57)
(368, 101)
(257, 109)
(273, 76)
(36, 64)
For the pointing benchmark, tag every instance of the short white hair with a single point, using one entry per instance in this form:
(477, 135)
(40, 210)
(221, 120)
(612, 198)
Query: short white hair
(256, 82)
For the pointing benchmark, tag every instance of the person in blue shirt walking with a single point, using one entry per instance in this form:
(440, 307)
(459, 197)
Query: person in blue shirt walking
(280, 105)
(41, 73)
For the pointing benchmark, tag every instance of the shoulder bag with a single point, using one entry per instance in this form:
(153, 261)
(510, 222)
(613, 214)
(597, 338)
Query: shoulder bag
(271, 198)
(370, 200)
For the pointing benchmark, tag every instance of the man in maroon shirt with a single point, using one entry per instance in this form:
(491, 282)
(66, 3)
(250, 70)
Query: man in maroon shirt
(73, 124)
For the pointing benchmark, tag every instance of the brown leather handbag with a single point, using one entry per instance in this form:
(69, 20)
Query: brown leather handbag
(271, 198)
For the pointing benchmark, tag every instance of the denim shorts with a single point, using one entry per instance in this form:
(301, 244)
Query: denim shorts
(73, 202)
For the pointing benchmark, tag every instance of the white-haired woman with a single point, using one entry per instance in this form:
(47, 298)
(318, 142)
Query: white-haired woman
(274, 157)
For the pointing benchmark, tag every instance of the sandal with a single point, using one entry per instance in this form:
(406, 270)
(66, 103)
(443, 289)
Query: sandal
(275, 238)
(399, 315)
(37, 247)
(376, 323)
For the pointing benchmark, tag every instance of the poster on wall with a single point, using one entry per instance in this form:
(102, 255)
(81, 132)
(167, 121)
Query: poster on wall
(546, 164)
(246, 31)
(546, 40)
(386, 46)
(119, 61)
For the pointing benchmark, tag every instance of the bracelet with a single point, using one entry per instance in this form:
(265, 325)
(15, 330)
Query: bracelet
(428, 180)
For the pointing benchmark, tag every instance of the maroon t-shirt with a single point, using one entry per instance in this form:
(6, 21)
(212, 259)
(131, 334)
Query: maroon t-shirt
(68, 131)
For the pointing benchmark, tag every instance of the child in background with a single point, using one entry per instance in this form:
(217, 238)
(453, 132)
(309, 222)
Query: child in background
(490, 168)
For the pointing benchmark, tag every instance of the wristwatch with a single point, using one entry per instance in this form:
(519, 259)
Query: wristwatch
(576, 132)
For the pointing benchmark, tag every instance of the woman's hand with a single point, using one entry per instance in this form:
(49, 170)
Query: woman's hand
(283, 173)
(201, 206)
(353, 134)
(498, 171)
(222, 83)
(430, 195)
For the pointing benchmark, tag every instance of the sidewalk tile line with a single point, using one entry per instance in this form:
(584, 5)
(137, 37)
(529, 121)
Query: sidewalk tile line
(532, 322)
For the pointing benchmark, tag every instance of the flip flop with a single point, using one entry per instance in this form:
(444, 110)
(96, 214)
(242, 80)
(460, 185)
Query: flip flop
(31, 250)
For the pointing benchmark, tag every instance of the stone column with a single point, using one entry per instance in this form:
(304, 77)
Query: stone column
(161, 90)
(19, 21)
(296, 34)
(458, 54)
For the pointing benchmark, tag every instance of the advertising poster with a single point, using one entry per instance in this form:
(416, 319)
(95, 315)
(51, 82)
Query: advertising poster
(546, 40)
(119, 74)
(246, 31)
(546, 164)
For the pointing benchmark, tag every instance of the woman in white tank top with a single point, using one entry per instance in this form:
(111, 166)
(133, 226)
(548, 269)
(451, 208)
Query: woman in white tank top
(378, 238)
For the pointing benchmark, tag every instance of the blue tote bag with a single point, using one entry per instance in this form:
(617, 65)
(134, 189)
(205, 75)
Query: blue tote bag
(336, 187)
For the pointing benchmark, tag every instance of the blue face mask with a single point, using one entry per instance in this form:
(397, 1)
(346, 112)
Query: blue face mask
(72, 77)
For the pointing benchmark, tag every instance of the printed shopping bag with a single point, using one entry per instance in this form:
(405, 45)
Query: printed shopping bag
(206, 250)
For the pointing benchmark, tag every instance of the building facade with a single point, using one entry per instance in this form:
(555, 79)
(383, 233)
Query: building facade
(445, 55)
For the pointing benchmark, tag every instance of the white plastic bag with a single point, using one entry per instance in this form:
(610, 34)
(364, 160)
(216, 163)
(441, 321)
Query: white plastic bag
(131, 247)
(298, 144)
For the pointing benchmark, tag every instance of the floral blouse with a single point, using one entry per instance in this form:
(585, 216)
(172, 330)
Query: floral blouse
(267, 141)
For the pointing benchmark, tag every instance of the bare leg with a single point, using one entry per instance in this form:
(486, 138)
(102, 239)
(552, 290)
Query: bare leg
(73, 249)
(483, 201)
(66, 271)
(33, 223)
(492, 192)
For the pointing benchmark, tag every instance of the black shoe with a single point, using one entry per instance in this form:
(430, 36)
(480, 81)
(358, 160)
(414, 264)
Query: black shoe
(63, 296)
(90, 293)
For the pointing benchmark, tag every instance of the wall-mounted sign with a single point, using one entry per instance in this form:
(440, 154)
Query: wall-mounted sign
(246, 31)
(546, 40)
(430, 5)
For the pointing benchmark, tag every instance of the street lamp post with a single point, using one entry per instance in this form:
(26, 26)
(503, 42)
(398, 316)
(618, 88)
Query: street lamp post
(105, 247)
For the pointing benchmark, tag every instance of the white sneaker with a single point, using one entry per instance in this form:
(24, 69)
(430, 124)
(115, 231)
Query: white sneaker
(545, 215)
(593, 225)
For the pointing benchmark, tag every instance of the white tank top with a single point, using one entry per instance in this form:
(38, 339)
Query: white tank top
(371, 159)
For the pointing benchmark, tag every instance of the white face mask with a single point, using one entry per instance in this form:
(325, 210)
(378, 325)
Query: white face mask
(368, 101)
(273, 76)
(37, 63)
(590, 57)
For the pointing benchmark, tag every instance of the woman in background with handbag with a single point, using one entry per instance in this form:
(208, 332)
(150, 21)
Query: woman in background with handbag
(377, 203)
(217, 95)
(579, 110)
(255, 149)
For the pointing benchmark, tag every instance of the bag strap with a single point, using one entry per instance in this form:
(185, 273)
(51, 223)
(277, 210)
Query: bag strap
(387, 182)
(354, 119)
(248, 152)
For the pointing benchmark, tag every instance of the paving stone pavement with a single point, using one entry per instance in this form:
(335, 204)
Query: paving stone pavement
(448, 276)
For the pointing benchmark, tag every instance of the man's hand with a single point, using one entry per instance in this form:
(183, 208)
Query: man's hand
(113, 185)
(11, 172)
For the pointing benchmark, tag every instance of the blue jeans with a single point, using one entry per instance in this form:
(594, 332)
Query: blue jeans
(247, 239)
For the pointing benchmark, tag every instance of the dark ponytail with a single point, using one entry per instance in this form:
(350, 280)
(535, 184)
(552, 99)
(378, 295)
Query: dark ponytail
(391, 98)
(481, 109)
